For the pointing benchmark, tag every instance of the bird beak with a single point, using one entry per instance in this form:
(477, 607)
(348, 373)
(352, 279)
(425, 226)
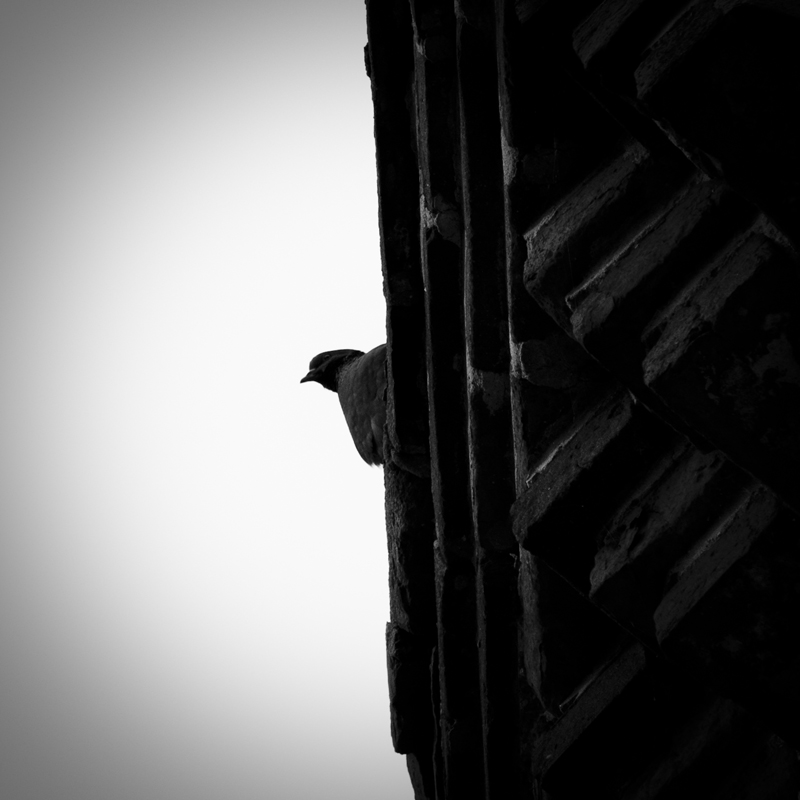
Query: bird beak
(309, 377)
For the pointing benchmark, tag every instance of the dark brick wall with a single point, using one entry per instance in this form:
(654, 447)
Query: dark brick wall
(589, 225)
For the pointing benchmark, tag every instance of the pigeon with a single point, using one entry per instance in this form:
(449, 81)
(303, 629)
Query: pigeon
(360, 381)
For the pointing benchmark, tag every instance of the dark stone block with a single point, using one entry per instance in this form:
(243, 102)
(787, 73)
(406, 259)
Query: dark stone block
(677, 505)
(614, 38)
(408, 659)
(581, 482)
(661, 733)
(564, 638)
(725, 543)
(727, 359)
(600, 215)
(743, 636)
(610, 309)
(729, 97)
(557, 383)
(556, 735)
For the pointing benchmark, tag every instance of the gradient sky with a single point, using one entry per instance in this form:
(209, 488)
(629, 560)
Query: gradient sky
(193, 573)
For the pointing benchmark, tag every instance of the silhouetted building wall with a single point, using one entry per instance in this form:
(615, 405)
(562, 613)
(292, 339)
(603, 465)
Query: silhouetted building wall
(589, 216)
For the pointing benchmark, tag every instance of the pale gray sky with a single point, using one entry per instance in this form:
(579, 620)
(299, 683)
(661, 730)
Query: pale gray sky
(192, 555)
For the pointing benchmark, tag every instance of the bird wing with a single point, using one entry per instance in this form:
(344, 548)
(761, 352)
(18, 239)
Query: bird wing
(362, 394)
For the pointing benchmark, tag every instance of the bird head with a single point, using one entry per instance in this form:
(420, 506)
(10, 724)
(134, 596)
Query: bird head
(325, 367)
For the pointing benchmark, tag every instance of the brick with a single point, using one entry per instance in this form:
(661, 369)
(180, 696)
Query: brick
(577, 486)
(724, 357)
(598, 217)
(668, 512)
(693, 576)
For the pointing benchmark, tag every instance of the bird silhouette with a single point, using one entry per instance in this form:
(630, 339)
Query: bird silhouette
(360, 381)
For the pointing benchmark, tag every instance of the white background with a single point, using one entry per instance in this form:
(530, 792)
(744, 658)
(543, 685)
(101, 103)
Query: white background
(193, 584)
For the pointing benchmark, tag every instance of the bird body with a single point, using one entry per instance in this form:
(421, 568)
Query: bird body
(360, 381)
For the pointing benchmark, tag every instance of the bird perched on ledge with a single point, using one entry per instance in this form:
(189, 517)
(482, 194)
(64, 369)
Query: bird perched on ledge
(360, 381)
